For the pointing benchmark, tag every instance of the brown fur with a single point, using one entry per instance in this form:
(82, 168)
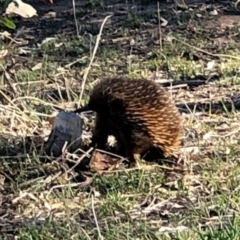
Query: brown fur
(138, 112)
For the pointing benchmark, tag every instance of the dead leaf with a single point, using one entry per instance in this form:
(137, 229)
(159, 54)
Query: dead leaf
(20, 8)
(214, 12)
(208, 135)
(164, 22)
(5, 34)
(190, 149)
(50, 14)
(23, 51)
(211, 65)
(3, 53)
(46, 40)
(102, 162)
(37, 67)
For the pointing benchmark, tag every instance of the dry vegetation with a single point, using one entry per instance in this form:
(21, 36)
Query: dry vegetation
(43, 71)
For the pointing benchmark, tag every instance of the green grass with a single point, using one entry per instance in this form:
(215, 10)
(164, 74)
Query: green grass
(198, 199)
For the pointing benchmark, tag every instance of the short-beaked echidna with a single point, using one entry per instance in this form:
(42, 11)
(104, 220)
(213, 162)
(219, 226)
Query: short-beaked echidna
(139, 113)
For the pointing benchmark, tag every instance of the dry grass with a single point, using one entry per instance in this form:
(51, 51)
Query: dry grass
(199, 200)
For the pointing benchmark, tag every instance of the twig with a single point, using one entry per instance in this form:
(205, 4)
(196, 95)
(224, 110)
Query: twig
(12, 104)
(206, 52)
(17, 35)
(109, 153)
(95, 218)
(75, 17)
(79, 160)
(33, 99)
(93, 56)
(62, 186)
(159, 26)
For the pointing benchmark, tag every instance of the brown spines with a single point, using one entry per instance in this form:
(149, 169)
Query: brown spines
(138, 112)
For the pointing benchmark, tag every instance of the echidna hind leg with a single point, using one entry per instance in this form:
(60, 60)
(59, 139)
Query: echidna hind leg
(130, 156)
(133, 157)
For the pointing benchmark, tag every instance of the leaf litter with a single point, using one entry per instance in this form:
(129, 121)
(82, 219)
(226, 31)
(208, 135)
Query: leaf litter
(210, 112)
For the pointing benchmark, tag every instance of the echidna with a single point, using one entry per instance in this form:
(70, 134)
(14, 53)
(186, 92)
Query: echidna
(138, 113)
